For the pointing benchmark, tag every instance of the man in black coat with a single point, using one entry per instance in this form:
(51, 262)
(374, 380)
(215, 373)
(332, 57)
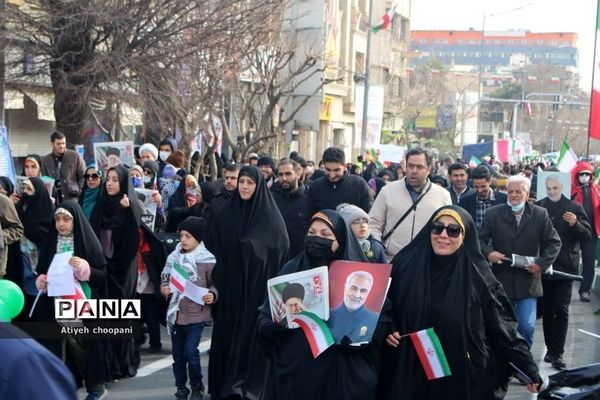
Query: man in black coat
(518, 228)
(483, 198)
(457, 173)
(337, 186)
(291, 197)
(571, 223)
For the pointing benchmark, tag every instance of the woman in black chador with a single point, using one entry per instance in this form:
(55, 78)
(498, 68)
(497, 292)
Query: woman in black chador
(116, 220)
(250, 243)
(70, 231)
(442, 280)
(342, 371)
(35, 212)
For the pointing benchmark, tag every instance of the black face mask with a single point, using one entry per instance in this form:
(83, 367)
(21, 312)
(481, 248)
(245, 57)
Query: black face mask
(319, 249)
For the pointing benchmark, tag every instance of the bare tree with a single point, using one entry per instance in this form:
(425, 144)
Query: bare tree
(157, 54)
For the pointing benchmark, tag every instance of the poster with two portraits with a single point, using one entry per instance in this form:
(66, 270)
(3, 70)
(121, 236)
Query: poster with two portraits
(348, 295)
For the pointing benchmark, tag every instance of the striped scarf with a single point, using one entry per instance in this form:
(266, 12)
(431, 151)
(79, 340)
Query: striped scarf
(188, 261)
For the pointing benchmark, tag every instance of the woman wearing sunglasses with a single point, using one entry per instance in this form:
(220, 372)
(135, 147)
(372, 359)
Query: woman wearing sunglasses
(91, 189)
(441, 281)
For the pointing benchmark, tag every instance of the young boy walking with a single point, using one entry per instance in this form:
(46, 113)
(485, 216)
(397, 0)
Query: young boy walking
(186, 317)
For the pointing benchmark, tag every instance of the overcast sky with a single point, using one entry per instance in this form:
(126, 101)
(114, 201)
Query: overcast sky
(535, 15)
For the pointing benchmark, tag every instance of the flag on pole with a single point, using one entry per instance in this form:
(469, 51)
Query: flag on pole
(430, 352)
(567, 158)
(594, 127)
(316, 331)
(388, 17)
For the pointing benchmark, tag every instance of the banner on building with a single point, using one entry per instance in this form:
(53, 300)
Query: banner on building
(374, 113)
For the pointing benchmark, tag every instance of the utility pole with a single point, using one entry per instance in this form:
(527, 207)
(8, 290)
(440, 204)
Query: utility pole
(365, 120)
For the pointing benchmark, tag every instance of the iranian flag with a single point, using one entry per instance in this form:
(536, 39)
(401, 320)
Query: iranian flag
(474, 161)
(82, 292)
(387, 20)
(567, 158)
(430, 352)
(595, 102)
(179, 277)
(316, 330)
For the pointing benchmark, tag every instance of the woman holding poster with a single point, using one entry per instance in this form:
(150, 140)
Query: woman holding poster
(442, 281)
(341, 371)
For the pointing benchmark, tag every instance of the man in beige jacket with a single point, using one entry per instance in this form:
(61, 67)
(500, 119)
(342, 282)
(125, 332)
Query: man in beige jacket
(11, 231)
(396, 198)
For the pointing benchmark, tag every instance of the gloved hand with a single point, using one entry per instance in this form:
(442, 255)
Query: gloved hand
(271, 331)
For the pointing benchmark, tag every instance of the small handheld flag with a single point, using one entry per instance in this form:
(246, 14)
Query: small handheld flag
(317, 332)
(431, 354)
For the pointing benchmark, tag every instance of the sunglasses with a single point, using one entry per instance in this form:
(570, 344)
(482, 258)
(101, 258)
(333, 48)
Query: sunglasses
(453, 230)
(92, 176)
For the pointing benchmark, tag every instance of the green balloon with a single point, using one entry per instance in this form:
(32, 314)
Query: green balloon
(12, 297)
(4, 317)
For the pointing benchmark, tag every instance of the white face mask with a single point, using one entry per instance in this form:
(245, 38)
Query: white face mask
(515, 208)
(164, 155)
(147, 179)
(584, 179)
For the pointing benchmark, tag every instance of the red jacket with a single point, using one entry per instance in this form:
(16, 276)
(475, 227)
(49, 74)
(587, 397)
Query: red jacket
(577, 193)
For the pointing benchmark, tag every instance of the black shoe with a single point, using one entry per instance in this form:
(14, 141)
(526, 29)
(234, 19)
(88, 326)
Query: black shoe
(153, 350)
(197, 392)
(585, 297)
(98, 393)
(182, 393)
(558, 363)
(548, 357)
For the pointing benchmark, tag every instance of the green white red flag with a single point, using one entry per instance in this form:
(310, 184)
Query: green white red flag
(594, 127)
(431, 354)
(179, 277)
(387, 18)
(567, 158)
(316, 331)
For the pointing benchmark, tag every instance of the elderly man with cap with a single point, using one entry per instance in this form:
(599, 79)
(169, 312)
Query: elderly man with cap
(358, 220)
(267, 166)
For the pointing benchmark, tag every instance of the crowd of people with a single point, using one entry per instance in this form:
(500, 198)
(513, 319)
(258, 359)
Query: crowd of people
(453, 235)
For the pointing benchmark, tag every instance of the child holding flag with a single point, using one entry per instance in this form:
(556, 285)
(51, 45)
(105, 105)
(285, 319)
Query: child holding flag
(187, 278)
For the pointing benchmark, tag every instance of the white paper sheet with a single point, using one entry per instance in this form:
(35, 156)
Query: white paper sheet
(195, 293)
(60, 276)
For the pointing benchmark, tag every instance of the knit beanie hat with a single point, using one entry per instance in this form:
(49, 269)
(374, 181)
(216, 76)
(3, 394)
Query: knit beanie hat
(195, 226)
(177, 159)
(151, 165)
(266, 160)
(149, 147)
(351, 213)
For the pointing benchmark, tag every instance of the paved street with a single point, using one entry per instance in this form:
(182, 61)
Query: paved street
(155, 378)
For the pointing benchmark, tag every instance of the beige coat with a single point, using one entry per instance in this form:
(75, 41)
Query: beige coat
(12, 229)
(391, 204)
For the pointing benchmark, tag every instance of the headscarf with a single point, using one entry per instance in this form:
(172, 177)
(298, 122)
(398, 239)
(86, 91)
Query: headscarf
(35, 212)
(349, 248)
(36, 158)
(88, 198)
(123, 223)
(428, 290)
(7, 185)
(85, 242)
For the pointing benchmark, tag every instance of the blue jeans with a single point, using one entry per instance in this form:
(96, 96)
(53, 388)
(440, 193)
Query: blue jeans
(185, 340)
(525, 310)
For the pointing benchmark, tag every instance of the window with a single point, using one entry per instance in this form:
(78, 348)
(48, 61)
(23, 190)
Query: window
(460, 41)
(540, 42)
(524, 41)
